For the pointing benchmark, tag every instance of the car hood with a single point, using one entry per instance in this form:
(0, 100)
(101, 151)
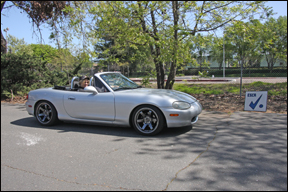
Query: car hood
(177, 95)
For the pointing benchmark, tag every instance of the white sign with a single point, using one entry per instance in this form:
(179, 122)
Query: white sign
(256, 101)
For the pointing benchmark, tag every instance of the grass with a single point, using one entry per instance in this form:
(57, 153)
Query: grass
(276, 89)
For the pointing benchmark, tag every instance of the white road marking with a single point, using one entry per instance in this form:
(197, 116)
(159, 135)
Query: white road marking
(30, 139)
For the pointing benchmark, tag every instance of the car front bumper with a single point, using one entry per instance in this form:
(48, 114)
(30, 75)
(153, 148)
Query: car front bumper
(181, 118)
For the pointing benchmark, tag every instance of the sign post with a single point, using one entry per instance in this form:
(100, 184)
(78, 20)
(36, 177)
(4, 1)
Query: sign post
(256, 101)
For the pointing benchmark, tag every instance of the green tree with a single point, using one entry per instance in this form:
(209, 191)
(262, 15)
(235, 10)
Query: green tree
(18, 46)
(76, 25)
(216, 51)
(244, 39)
(44, 52)
(125, 57)
(273, 40)
(165, 27)
(200, 48)
(21, 73)
(56, 59)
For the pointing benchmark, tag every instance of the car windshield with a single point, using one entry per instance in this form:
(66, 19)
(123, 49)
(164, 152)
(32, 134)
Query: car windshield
(117, 81)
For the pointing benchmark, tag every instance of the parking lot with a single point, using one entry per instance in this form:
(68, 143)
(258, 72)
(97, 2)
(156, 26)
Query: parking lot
(238, 151)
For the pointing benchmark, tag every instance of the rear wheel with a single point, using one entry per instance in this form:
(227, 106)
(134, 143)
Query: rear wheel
(46, 113)
(148, 120)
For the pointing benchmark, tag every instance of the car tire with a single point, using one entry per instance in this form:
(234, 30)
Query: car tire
(46, 113)
(148, 120)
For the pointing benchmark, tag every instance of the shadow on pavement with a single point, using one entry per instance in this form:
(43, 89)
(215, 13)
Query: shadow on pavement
(63, 127)
(249, 152)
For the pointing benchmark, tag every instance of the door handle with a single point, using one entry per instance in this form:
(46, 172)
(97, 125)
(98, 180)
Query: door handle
(71, 98)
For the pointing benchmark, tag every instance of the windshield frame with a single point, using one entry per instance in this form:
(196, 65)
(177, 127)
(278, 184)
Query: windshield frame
(117, 81)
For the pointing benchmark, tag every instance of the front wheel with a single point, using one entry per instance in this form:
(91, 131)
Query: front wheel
(148, 120)
(46, 113)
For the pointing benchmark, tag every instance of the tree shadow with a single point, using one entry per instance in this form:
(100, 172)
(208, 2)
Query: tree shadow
(249, 152)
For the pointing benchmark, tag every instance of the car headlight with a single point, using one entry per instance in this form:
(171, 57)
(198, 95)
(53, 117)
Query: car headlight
(181, 105)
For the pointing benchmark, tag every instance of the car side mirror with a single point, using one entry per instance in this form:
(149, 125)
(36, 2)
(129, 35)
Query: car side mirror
(91, 89)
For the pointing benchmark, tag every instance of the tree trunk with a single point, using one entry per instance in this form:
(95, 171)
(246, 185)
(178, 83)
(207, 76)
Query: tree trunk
(159, 66)
(171, 77)
(273, 61)
(154, 49)
(172, 73)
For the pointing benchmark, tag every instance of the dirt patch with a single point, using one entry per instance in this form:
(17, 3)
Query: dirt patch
(228, 103)
(16, 99)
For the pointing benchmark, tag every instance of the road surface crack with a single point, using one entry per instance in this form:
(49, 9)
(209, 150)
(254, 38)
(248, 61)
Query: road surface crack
(72, 182)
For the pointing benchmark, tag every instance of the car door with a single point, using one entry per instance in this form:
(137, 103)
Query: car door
(85, 105)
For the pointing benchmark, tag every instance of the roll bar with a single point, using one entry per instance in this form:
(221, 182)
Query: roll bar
(91, 81)
(72, 81)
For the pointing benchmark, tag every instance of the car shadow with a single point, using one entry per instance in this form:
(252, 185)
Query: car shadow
(64, 127)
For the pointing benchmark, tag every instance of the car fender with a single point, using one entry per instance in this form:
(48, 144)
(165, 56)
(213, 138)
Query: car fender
(55, 97)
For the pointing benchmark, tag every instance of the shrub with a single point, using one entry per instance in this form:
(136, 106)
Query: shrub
(22, 73)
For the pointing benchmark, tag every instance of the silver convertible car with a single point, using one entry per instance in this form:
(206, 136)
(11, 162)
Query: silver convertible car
(113, 99)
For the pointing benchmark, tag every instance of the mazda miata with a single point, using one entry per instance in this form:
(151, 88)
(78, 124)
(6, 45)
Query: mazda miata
(113, 99)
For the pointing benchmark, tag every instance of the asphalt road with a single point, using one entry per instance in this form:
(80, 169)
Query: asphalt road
(239, 151)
